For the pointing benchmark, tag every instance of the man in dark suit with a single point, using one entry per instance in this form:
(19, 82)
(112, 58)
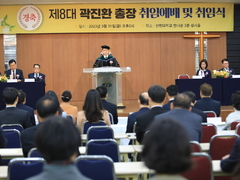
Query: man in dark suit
(21, 105)
(110, 107)
(172, 91)
(46, 106)
(192, 122)
(192, 96)
(13, 72)
(39, 77)
(144, 107)
(11, 114)
(225, 65)
(156, 98)
(207, 103)
(229, 162)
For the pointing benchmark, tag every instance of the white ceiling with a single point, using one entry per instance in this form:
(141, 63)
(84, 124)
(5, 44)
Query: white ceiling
(14, 2)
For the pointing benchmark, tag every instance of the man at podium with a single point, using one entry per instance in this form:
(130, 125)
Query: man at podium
(106, 58)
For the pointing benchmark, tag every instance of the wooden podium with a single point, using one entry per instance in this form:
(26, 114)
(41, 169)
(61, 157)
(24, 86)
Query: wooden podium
(111, 78)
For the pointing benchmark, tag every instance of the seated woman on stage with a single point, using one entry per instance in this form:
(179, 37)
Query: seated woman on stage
(167, 149)
(203, 71)
(92, 110)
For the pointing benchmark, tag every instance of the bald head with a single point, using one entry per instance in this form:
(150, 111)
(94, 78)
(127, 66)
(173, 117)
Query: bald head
(182, 101)
(143, 99)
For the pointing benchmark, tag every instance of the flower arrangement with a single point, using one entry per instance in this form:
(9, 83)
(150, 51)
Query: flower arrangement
(220, 74)
(7, 28)
(3, 78)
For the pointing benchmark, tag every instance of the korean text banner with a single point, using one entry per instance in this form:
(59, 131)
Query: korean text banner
(100, 18)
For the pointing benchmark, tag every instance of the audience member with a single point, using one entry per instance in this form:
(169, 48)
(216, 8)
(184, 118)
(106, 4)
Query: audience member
(207, 103)
(67, 107)
(172, 91)
(225, 65)
(52, 94)
(21, 105)
(229, 162)
(13, 72)
(234, 116)
(203, 71)
(46, 107)
(92, 110)
(192, 122)
(110, 107)
(192, 96)
(144, 107)
(39, 77)
(169, 156)
(11, 114)
(57, 139)
(156, 98)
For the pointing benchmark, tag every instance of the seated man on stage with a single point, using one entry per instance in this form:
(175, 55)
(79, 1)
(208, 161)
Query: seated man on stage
(13, 72)
(225, 64)
(106, 58)
(39, 77)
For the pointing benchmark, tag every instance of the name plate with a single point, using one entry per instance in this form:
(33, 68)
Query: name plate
(12, 81)
(196, 77)
(215, 120)
(235, 76)
(29, 80)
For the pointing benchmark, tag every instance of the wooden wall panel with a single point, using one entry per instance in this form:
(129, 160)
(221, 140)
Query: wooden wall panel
(1, 54)
(155, 58)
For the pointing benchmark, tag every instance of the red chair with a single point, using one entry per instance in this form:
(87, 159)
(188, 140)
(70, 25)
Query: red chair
(238, 129)
(195, 146)
(221, 145)
(183, 76)
(210, 113)
(234, 124)
(201, 169)
(208, 130)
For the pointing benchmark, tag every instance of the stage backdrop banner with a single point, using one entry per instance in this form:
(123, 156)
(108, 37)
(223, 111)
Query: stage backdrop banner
(100, 18)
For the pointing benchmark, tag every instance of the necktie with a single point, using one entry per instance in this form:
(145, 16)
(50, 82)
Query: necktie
(14, 76)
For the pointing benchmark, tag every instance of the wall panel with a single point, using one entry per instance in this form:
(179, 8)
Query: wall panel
(1, 54)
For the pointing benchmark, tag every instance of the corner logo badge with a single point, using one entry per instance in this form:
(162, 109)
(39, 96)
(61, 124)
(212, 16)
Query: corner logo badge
(29, 17)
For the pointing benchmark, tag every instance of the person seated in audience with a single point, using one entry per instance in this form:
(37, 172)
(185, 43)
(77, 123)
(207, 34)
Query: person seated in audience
(39, 77)
(67, 107)
(229, 162)
(181, 111)
(156, 98)
(92, 110)
(225, 65)
(46, 107)
(13, 72)
(11, 114)
(52, 94)
(21, 105)
(169, 156)
(57, 139)
(192, 96)
(172, 91)
(203, 71)
(110, 107)
(144, 107)
(234, 116)
(207, 103)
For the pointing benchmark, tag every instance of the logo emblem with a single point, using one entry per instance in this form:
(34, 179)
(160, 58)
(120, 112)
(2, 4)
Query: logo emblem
(29, 17)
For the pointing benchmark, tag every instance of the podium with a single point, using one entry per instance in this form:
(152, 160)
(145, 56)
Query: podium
(111, 78)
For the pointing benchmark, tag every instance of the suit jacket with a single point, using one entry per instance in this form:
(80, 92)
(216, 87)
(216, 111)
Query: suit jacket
(200, 113)
(29, 110)
(69, 109)
(112, 108)
(228, 165)
(144, 120)
(132, 118)
(19, 74)
(13, 115)
(27, 139)
(167, 106)
(207, 73)
(231, 71)
(208, 104)
(40, 78)
(59, 172)
(191, 121)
